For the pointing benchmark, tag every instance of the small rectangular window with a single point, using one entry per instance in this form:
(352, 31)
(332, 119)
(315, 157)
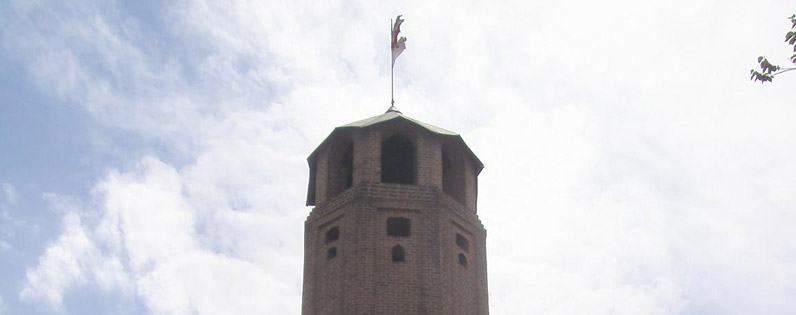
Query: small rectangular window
(398, 226)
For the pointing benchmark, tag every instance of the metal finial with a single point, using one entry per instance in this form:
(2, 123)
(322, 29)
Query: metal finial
(393, 109)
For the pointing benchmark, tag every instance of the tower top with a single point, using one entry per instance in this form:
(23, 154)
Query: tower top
(392, 117)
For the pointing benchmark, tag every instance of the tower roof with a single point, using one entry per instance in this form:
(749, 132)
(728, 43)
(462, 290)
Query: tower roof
(393, 114)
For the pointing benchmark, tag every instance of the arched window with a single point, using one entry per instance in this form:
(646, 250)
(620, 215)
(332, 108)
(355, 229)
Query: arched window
(332, 235)
(398, 253)
(398, 160)
(462, 242)
(463, 260)
(340, 168)
(452, 176)
(347, 164)
(398, 226)
(331, 253)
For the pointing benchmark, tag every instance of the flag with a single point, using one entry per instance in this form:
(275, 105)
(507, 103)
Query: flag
(398, 44)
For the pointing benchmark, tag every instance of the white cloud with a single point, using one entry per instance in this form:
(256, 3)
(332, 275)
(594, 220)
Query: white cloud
(145, 242)
(73, 259)
(10, 193)
(205, 283)
(630, 167)
(61, 266)
(9, 223)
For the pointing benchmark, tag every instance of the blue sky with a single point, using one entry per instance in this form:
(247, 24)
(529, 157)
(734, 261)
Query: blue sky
(153, 153)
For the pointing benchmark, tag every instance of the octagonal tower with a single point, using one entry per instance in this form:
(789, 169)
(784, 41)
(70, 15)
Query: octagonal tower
(394, 229)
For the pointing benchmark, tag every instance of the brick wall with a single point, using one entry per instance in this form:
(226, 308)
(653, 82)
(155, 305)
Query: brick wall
(362, 278)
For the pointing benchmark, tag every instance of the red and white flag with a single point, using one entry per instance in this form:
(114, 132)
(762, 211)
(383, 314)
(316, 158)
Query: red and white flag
(398, 44)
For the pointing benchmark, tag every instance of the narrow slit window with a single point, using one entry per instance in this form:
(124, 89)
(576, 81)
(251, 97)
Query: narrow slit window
(462, 242)
(398, 226)
(462, 260)
(340, 169)
(347, 163)
(332, 235)
(331, 253)
(398, 254)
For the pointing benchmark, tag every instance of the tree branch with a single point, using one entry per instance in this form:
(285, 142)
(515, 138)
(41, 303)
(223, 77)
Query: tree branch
(783, 70)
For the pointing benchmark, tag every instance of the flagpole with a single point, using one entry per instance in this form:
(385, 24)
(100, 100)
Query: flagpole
(392, 93)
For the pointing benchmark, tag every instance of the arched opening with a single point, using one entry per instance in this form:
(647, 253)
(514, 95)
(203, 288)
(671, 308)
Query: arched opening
(331, 253)
(397, 160)
(462, 242)
(340, 168)
(332, 235)
(398, 226)
(398, 253)
(453, 176)
(311, 185)
(347, 165)
(462, 260)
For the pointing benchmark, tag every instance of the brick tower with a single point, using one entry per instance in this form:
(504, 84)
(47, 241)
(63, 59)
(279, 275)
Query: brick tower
(394, 229)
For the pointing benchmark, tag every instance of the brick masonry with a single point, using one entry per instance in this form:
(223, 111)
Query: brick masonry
(362, 278)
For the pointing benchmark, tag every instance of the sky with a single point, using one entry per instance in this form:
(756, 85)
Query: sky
(153, 153)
